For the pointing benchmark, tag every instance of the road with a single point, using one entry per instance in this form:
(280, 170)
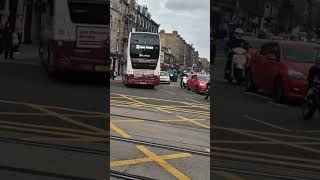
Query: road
(161, 133)
(51, 128)
(254, 137)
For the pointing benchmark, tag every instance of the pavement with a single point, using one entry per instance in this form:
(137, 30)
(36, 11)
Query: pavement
(161, 133)
(255, 138)
(51, 128)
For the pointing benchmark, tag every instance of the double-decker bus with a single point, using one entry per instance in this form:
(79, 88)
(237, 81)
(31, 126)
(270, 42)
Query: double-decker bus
(74, 35)
(142, 61)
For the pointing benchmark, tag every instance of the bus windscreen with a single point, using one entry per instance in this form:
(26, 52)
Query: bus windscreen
(144, 51)
(89, 13)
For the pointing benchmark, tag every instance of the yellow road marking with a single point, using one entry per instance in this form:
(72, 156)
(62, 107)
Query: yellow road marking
(177, 108)
(163, 163)
(45, 114)
(165, 100)
(35, 131)
(140, 106)
(119, 131)
(148, 159)
(53, 107)
(261, 142)
(181, 120)
(67, 119)
(48, 127)
(195, 122)
(301, 147)
(227, 175)
(142, 103)
(267, 133)
(266, 160)
(84, 139)
(265, 155)
(127, 121)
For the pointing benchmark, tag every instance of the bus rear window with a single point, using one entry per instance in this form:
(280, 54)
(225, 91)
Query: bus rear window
(89, 13)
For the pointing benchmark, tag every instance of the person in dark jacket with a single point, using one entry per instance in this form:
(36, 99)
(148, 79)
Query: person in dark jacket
(234, 42)
(314, 72)
(7, 41)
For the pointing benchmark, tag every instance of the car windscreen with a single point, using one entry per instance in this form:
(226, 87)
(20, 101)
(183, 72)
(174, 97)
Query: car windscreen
(172, 71)
(89, 13)
(300, 54)
(145, 46)
(204, 78)
(163, 73)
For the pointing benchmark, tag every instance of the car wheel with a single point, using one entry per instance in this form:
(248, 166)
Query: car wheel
(196, 90)
(278, 91)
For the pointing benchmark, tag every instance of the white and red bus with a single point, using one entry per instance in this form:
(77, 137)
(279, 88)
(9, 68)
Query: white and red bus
(142, 61)
(74, 36)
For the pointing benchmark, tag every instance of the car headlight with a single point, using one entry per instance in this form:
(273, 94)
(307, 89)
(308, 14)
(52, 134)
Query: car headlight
(171, 74)
(296, 75)
(202, 84)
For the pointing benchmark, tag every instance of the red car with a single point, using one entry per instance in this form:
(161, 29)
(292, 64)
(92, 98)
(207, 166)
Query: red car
(197, 83)
(281, 68)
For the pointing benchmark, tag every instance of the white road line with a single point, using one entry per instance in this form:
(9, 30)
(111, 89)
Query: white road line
(266, 123)
(277, 104)
(257, 95)
(167, 91)
(193, 100)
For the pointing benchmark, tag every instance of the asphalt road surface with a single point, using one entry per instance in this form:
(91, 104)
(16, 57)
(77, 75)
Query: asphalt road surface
(255, 138)
(161, 133)
(51, 128)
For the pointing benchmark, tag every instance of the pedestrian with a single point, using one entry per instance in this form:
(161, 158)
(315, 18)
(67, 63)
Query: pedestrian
(7, 41)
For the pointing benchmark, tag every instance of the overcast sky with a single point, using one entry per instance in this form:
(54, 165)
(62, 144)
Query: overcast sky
(191, 18)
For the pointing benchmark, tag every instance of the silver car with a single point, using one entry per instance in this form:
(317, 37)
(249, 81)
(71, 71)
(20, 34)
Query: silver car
(164, 77)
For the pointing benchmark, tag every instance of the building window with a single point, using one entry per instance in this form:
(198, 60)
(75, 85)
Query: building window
(110, 22)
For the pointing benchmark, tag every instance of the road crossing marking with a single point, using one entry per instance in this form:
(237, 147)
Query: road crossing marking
(142, 103)
(119, 130)
(301, 147)
(163, 163)
(147, 159)
(59, 133)
(195, 122)
(67, 119)
(163, 108)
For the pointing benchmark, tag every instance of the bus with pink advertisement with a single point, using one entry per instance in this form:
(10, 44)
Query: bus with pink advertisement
(142, 61)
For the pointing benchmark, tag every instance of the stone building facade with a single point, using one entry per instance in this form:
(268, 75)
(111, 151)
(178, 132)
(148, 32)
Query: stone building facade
(183, 53)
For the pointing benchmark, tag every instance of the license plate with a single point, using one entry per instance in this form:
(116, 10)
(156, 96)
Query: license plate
(143, 83)
(101, 68)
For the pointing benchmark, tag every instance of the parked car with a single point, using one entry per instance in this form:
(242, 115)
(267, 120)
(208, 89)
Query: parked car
(198, 83)
(164, 77)
(173, 75)
(281, 68)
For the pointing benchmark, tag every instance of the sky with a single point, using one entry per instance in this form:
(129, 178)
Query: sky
(191, 18)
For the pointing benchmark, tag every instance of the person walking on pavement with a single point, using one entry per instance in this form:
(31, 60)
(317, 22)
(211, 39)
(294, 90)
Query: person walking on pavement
(7, 41)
